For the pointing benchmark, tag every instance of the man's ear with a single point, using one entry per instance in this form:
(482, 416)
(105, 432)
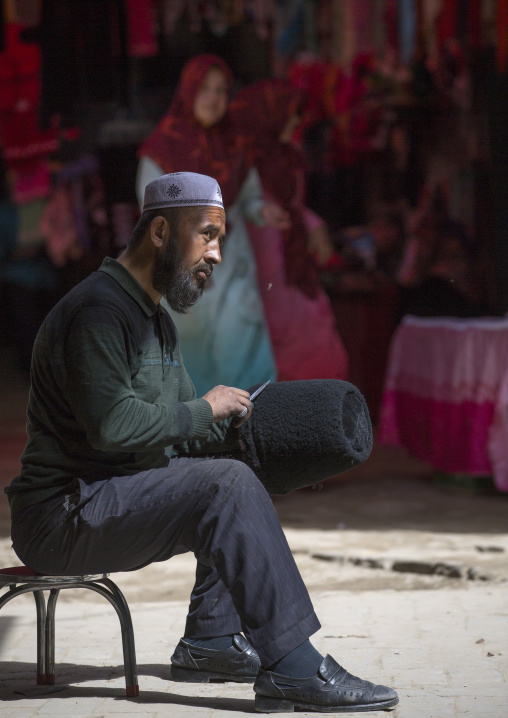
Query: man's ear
(159, 231)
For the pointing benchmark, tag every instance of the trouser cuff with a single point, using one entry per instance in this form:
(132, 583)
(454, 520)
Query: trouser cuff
(277, 647)
(211, 627)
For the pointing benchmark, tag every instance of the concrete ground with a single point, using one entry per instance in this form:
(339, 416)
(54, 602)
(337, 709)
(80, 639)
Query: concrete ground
(409, 580)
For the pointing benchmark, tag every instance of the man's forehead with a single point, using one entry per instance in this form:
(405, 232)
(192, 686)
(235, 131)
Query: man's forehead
(206, 215)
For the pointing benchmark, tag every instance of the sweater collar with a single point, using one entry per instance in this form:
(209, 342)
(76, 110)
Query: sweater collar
(129, 284)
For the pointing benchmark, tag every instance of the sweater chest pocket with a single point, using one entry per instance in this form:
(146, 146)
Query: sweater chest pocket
(147, 380)
(154, 381)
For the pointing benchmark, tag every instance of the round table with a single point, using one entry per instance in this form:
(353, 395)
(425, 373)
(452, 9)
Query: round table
(445, 396)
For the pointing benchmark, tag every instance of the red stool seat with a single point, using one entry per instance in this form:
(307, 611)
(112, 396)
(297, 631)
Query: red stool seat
(18, 571)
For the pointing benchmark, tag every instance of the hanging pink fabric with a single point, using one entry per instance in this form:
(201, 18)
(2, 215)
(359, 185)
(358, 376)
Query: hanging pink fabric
(498, 438)
(141, 24)
(302, 330)
(33, 184)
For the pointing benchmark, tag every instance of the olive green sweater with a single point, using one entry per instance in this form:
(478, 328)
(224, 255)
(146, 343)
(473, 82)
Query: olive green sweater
(109, 393)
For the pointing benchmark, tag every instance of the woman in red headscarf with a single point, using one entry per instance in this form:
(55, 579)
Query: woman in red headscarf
(195, 135)
(224, 337)
(300, 318)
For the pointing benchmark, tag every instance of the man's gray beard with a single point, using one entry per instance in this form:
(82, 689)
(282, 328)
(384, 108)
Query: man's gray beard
(175, 281)
(184, 291)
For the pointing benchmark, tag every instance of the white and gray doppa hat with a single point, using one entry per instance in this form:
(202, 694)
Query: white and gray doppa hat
(182, 189)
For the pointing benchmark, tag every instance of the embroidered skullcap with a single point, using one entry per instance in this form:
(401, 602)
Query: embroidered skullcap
(182, 189)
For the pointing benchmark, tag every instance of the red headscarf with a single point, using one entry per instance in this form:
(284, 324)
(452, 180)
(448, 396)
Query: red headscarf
(260, 112)
(180, 143)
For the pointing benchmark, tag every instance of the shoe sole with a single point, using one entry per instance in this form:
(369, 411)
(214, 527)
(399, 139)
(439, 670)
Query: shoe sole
(189, 675)
(265, 704)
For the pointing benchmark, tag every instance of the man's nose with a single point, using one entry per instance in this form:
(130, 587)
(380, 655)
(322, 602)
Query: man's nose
(212, 253)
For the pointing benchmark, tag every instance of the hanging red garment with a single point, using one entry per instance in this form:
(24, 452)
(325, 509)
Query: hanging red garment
(141, 28)
(23, 143)
(391, 23)
(446, 26)
(310, 78)
(180, 142)
(475, 23)
(502, 35)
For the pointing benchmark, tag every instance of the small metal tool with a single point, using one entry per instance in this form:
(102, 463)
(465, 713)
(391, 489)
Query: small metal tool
(252, 397)
(258, 391)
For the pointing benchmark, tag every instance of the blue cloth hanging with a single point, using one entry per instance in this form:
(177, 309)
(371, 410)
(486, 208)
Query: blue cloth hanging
(406, 29)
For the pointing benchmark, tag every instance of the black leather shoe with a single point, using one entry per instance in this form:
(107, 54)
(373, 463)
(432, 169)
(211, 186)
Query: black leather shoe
(332, 690)
(194, 664)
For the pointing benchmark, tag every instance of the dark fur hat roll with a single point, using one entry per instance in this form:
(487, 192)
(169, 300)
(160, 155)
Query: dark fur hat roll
(303, 432)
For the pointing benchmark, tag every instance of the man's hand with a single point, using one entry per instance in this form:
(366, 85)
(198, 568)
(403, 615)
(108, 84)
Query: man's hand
(275, 216)
(227, 401)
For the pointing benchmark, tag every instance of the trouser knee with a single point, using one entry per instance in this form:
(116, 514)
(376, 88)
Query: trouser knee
(235, 477)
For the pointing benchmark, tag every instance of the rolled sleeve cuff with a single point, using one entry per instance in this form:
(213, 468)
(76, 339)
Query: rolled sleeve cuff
(202, 416)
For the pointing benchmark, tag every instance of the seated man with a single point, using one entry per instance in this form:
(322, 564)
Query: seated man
(101, 489)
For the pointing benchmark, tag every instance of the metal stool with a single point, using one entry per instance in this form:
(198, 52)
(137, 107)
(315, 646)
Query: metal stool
(21, 579)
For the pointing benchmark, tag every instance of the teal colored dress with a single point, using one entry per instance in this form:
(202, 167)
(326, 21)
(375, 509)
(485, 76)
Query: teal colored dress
(224, 338)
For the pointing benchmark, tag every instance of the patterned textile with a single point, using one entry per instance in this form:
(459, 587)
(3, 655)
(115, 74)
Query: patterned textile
(182, 189)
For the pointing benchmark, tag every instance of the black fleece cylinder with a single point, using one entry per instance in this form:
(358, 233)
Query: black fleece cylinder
(303, 432)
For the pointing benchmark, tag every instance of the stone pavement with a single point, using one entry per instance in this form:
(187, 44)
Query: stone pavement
(445, 651)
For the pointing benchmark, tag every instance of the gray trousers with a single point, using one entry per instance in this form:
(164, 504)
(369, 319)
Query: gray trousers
(246, 577)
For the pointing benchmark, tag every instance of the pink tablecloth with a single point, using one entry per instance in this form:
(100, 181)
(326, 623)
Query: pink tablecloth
(446, 394)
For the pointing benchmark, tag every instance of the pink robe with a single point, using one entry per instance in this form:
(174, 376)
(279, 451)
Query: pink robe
(302, 330)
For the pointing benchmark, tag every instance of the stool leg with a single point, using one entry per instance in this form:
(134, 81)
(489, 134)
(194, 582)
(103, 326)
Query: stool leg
(129, 649)
(50, 636)
(40, 605)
